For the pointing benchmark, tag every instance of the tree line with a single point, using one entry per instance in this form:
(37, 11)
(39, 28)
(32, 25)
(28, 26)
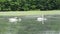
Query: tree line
(25, 5)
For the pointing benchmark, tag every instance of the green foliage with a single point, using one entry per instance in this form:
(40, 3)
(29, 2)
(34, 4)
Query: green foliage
(25, 5)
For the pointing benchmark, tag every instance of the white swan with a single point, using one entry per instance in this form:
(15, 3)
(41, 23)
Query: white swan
(41, 19)
(13, 19)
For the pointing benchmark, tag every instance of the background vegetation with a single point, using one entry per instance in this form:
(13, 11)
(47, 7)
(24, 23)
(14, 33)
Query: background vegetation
(25, 5)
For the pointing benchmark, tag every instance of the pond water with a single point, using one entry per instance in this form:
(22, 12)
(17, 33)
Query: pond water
(29, 25)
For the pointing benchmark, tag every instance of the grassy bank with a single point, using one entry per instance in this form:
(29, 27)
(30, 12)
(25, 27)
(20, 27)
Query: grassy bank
(17, 13)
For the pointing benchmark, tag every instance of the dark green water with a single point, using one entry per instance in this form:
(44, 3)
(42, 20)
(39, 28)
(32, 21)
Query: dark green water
(29, 25)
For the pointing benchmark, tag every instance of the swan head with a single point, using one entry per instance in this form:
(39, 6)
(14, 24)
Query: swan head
(15, 17)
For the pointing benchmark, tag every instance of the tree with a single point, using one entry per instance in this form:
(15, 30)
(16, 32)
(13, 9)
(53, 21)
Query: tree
(25, 5)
